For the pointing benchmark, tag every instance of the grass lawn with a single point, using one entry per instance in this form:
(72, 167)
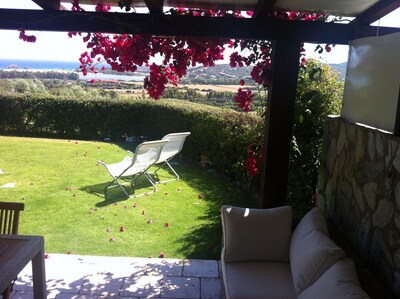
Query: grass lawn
(62, 187)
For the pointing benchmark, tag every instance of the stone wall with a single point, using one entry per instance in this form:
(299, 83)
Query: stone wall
(359, 189)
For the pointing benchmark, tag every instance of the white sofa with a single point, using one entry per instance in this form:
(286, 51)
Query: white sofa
(263, 258)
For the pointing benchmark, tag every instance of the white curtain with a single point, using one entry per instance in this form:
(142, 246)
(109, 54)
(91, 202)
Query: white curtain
(372, 85)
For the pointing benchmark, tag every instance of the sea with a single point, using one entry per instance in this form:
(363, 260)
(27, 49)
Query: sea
(62, 66)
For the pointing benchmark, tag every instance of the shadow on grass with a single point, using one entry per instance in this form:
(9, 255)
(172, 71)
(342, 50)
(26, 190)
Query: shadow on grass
(115, 193)
(203, 241)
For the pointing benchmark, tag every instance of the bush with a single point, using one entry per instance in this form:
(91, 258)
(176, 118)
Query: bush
(319, 93)
(219, 137)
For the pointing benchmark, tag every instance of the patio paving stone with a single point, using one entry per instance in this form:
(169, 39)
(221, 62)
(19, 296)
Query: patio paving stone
(170, 267)
(200, 268)
(96, 277)
(211, 288)
(143, 286)
(181, 287)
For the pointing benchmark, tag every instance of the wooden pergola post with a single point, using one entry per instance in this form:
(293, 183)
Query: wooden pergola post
(279, 123)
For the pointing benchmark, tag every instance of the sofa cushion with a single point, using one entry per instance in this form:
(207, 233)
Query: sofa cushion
(258, 280)
(339, 281)
(311, 254)
(256, 234)
(314, 219)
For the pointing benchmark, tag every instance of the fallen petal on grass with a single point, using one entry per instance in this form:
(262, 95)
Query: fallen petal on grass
(162, 255)
(150, 221)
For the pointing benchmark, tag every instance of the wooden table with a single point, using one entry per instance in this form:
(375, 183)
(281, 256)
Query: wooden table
(16, 251)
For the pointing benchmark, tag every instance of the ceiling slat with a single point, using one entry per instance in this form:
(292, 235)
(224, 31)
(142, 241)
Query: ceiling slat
(377, 11)
(48, 4)
(263, 7)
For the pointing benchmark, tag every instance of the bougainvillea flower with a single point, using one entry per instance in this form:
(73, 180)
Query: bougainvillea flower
(108, 229)
(150, 221)
(112, 239)
(166, 224)
(135, 205)
(122, 229)
(162, 254)
(241, 82)
(143, 212)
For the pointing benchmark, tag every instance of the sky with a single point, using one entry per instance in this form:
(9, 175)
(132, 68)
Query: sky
(59, 47)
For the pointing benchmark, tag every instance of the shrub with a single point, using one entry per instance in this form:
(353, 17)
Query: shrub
(319, 93)
(219, 137)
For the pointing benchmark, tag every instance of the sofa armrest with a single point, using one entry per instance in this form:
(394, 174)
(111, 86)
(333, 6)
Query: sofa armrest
(256, 234)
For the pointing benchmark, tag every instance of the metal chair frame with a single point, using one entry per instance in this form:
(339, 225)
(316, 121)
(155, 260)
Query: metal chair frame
(129, 166)
(170, 150)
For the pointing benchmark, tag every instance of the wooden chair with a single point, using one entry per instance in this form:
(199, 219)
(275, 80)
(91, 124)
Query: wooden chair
(9, 220)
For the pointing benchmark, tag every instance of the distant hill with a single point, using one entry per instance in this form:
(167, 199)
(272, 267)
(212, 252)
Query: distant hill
(340, 68)
(224, 71)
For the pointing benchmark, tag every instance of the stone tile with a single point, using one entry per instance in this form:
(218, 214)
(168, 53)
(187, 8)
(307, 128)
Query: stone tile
(144, 286)
(211, 288)
(74, 276)
(75, 296)
(102, 284)
(116, 297)
(23, 283)
(164, 267)
(119, 266)
(67, 284)
(21, 295)
(200, 268)
(181, 287)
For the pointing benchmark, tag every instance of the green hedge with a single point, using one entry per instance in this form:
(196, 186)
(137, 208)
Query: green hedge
(219, 137)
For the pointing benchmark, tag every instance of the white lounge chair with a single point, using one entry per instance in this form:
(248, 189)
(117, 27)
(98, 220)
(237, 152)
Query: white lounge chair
(146, 154)
(169, 151)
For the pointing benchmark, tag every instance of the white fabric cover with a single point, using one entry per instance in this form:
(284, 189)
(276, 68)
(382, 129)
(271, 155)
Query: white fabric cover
(311, 254)
(258, 280)
(339, 281)
(314, 219)
(256, 234)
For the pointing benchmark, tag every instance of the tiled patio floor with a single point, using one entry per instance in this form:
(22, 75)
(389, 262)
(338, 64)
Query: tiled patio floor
(92, 277)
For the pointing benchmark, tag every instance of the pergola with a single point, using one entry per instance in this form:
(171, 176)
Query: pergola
(286, 37)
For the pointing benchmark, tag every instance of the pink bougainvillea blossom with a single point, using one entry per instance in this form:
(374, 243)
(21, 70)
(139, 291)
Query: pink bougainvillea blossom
(26, 38)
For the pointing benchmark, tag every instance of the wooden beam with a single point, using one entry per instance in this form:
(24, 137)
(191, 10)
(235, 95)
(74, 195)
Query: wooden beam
(279, 123)
(164, 25)
(48, 4)
(377, 11)
(263, 7)
(155, 6)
